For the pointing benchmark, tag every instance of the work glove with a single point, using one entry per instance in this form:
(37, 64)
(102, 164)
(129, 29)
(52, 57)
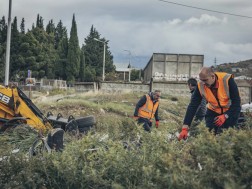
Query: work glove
(157, 124)
(183, 134)
(219, 120)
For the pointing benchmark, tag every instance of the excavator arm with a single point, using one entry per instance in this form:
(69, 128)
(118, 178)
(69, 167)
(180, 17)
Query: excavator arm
(16, 107)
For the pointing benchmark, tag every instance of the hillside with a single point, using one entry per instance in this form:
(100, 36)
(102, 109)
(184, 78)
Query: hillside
(238, 68)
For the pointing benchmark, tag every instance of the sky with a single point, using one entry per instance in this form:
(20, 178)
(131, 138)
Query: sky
(221, 30)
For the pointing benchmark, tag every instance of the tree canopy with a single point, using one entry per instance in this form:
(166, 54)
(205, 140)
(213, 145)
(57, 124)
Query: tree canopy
(49, 53)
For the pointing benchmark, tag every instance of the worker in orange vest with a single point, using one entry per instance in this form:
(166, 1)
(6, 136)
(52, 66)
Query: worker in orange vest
(147, 109)
(223, 101)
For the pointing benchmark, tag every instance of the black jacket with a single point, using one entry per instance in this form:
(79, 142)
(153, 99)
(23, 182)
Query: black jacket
(234, 109)
(201, 111)
(142, 101)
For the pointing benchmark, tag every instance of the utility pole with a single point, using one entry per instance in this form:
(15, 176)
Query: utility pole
(104, 53)
(7, 62)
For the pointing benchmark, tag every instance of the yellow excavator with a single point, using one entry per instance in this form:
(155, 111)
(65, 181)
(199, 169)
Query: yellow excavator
(17, 109)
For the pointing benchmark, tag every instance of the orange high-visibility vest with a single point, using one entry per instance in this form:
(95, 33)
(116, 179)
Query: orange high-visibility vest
(148, 109)
(222, 103)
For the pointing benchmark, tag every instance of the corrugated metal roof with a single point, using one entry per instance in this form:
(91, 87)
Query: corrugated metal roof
(123, 67)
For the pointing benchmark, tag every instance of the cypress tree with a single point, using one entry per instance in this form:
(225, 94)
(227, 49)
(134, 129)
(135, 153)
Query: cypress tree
(3, 38)
(82, 64)
(61, 45)
(14, 50)
(22, 26)
(41, 24)
(3, 30)
(37, 22)
(73, 55)
(60, 33)
(50, 28)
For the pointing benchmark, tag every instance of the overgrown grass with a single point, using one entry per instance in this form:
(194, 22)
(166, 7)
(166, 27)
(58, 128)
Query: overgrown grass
(120, 154)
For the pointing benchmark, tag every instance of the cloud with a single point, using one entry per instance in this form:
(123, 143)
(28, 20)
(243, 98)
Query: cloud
(148, 26)
(230, 49)
(206, 19)
(175, 21)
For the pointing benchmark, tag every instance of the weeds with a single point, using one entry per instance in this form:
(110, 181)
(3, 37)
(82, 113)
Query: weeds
(120, 154)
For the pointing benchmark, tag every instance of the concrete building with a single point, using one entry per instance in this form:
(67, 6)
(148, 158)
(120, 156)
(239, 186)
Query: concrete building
(173, 67)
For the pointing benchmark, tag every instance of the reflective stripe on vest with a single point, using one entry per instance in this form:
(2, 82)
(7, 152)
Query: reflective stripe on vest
(223, 102)
(148, 109)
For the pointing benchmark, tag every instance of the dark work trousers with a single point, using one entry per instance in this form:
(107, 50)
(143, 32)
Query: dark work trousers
(209, 118)
(147, 124)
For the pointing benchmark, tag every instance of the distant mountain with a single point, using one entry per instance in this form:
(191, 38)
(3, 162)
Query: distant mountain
(242, 68)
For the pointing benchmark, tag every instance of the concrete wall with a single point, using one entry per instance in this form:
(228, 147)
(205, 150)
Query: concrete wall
(245, 93)
(173, 67)
(120, 87)
(86, 86)
(171, 88)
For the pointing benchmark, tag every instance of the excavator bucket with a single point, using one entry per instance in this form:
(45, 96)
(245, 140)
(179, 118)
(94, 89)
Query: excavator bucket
(83, 124)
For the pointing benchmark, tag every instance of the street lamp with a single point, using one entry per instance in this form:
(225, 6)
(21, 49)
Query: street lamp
(129, 66)
(104, 49)
(129, 56)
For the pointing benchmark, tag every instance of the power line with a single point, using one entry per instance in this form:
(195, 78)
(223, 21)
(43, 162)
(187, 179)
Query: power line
(205, 9)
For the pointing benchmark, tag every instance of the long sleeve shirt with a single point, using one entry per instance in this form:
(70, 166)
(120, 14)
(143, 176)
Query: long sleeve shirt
(140, 103)
(201, 111)
(234, 109)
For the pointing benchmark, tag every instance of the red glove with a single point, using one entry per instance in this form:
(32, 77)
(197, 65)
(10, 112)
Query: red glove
(219, 120)
(157, 124)
(183, 134)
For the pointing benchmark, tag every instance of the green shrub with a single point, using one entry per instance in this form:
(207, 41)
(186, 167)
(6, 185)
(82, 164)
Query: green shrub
(118, 153)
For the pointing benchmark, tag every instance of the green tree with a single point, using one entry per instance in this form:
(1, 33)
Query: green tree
(2, 65)
(91, 51)
(60, 33)
(134, 75)
(14, 50)
(82, 64)
(51, 54)
(39, 22)
(94, 54)
(50, 28)
(61, 45)
(36, 53)
(3, 37)
(22, 26)
(89, 73)
(73, 55)
(3, 30)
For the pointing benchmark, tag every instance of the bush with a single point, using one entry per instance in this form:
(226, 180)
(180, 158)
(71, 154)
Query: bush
(120, 154)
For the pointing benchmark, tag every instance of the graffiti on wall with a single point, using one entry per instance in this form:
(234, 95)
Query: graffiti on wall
(173, 77)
